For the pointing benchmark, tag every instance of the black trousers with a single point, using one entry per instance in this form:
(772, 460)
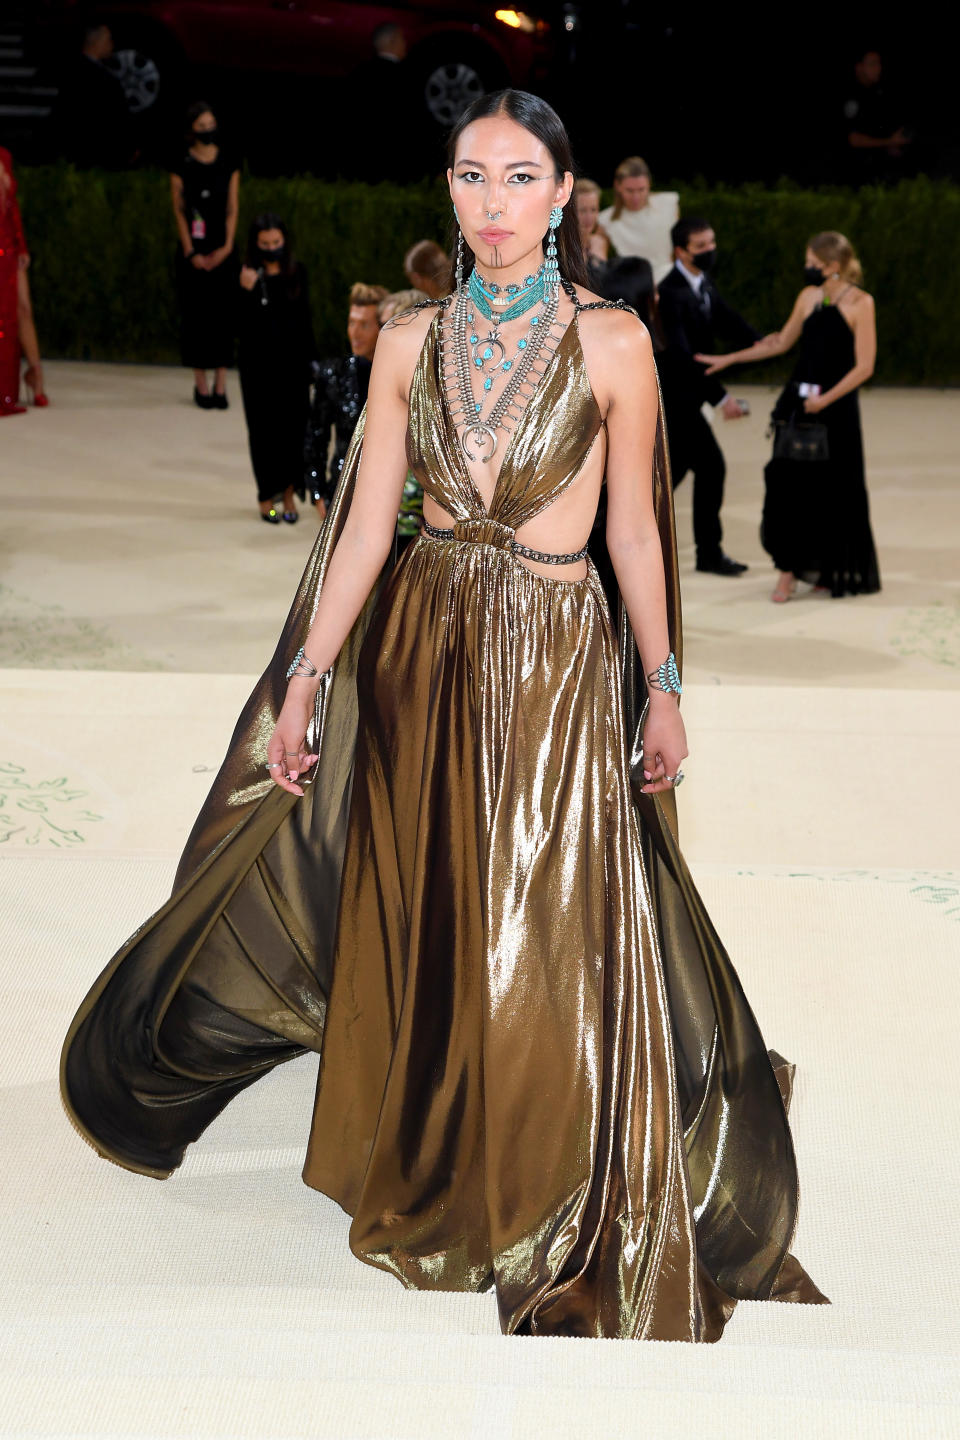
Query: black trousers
(275, 404)
(693, 446)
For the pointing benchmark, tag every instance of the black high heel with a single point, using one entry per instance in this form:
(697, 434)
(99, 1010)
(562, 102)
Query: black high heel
(204, 401)
(291, 516)
(219, 400)
(270, 516)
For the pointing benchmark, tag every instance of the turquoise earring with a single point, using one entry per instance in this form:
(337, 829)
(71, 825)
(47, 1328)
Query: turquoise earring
(551, 271)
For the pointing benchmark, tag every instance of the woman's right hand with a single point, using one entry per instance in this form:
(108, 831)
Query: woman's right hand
(248, 277)
(713, 362)
(199, 262)
(287, 753)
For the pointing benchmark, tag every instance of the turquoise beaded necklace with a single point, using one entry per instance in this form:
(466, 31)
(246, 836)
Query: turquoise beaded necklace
(522, 298)
(491, 348)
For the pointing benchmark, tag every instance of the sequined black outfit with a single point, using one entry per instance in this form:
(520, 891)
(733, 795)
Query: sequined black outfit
(339, 394)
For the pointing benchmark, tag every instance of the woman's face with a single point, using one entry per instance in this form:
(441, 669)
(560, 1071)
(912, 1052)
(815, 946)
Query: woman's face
(270, 239)
(827, 268)
(504, 171)
(205, 122)
(588, 211)
(634, 191)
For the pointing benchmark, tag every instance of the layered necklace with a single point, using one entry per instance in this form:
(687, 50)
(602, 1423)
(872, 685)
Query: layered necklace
(488, 353)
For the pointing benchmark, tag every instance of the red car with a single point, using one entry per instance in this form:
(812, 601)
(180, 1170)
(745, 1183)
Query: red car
(456, 51)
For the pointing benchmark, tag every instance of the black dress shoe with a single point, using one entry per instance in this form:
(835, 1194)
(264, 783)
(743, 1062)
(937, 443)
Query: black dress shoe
(220, 401)
(204, 401)
(721, 565)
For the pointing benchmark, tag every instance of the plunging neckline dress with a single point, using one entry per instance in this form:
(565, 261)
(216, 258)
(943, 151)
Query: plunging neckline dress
(538, 1070)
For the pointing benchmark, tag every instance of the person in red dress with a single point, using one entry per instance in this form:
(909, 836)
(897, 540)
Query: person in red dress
(17, 329)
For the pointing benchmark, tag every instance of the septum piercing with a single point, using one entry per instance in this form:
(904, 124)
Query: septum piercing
(494, 217)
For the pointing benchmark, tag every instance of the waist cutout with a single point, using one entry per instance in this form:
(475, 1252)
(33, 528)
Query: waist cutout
(493, 532)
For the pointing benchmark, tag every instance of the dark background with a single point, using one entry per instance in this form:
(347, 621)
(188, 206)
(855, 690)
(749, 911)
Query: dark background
(722, 96)
(731, 95)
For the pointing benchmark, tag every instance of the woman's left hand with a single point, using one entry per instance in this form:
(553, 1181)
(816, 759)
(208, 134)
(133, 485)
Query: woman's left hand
(23, 260)
(664, 743)
(217, 257)
(814, 404)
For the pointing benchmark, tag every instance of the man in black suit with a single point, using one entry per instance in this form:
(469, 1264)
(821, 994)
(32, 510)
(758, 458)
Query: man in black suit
(693, 315)
(91, 118)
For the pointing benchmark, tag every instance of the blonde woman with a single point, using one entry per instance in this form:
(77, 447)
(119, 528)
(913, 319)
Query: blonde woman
(593, 237)
(640, 219)
(816, 515)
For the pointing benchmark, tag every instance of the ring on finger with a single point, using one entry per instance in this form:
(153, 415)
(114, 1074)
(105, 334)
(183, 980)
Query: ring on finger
(271, 764)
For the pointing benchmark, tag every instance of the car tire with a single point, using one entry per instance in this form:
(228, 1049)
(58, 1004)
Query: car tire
(450, 81)
(150, 72)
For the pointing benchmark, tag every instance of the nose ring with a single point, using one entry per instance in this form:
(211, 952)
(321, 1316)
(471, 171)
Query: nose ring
(494, 217)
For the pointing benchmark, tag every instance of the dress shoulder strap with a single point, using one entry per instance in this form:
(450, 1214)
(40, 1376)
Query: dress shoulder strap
(404, 317)
(579, 306)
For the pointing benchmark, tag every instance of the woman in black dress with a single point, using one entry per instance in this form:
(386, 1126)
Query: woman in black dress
(204, 187)
(816, 515)
(276, 348)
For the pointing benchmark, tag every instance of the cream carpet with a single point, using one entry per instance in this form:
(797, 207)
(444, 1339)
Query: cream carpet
(819, 817)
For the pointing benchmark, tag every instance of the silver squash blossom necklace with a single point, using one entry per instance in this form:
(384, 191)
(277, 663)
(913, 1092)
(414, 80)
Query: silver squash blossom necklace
(473, 352)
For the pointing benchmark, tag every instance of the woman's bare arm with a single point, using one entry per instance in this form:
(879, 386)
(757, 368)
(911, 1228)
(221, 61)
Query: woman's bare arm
(777, 343)
(368, 530)
(233, 210)
(364, 542)
(183, 230)
(629, 379)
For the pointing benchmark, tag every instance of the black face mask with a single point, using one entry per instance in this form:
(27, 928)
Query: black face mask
(706, 260)
(272, 257)
(813, 275)
(206, 137)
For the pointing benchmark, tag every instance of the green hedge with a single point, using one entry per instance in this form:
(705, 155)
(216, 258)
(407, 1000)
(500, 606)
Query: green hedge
(103, 245)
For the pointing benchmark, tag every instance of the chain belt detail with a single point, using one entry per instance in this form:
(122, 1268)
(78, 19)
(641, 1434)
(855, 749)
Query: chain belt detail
(514, 545)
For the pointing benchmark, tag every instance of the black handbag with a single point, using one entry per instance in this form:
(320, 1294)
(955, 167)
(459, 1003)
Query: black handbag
(800, 440)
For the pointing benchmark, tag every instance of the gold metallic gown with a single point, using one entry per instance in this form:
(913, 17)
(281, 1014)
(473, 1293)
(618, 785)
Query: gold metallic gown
(538, 1068)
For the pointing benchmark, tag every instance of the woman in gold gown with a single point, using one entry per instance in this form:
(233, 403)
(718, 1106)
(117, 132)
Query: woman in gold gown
(458, 879)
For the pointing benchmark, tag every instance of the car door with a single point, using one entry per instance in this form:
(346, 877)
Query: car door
(307, 37)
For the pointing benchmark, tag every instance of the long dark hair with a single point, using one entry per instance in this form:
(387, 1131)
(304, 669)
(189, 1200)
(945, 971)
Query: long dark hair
(542, 121)
(268, 220)
(193, 113)
(630, 278)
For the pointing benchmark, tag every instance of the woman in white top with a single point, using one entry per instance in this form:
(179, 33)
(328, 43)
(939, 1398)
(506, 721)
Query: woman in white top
(639, 221)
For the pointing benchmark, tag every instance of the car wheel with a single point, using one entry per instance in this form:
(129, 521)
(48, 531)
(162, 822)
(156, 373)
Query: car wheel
(139, 75)
(449, 89)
